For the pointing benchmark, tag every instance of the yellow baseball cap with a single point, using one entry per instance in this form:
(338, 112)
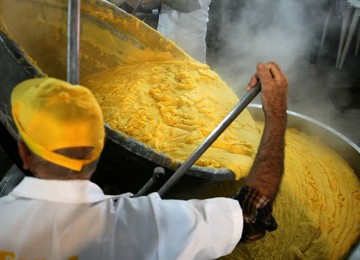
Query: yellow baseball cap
(52, 114)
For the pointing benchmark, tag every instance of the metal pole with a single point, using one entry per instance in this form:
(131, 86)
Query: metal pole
(136, 7)
(247, 98)
(73, 42)
(158, 174)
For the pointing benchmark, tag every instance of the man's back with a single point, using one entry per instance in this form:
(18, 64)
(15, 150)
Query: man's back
(49, 219)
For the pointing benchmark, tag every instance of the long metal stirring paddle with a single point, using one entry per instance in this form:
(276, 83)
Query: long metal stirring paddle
(245, 100)
(73, 42)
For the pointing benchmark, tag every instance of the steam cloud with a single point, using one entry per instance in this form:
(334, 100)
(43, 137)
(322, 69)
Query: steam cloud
(285, 31)
(288, 32)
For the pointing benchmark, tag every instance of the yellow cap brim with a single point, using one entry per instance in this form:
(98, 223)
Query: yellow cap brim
(26, 91)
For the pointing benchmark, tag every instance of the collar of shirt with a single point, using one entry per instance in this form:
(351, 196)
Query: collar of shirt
(67, 191)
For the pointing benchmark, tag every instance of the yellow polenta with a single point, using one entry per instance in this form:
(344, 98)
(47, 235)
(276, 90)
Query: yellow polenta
(172, 107)
(317, 207)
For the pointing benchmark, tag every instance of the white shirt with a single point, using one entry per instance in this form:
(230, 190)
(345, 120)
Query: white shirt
(51, 219)
(187, 30)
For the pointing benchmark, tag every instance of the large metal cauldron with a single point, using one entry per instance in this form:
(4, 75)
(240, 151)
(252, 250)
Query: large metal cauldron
(125, 165)
(35, 46)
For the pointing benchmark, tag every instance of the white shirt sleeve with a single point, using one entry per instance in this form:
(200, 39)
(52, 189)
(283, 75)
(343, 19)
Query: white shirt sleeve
(60, 219)
(197, 229)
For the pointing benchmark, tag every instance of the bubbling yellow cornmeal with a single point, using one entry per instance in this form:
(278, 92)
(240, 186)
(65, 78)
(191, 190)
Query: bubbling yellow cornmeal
(317, 207)
(172, 107)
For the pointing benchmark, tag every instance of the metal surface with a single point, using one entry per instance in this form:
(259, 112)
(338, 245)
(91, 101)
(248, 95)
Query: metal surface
(158, 174)
(136, 7)
(328, 135)
(12, 178)
(14, 68)
(243, 103)
(109, 36)
(73, 42)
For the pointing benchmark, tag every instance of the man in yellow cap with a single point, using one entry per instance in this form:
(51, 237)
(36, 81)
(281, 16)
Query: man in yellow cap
(56, 122)
(60, 214)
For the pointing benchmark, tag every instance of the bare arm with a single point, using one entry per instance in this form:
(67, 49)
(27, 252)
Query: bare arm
(266, 172)
(261, 186)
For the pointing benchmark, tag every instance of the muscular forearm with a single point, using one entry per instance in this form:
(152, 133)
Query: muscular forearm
(183, 5)
(266, 172)
(261, 186)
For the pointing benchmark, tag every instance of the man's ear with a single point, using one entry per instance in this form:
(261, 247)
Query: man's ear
(25, 155)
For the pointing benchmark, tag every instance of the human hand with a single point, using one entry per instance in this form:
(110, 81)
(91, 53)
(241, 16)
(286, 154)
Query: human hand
(274, 87)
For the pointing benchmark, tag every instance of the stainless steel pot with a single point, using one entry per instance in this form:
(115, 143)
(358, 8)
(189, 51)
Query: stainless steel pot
(125, 163)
